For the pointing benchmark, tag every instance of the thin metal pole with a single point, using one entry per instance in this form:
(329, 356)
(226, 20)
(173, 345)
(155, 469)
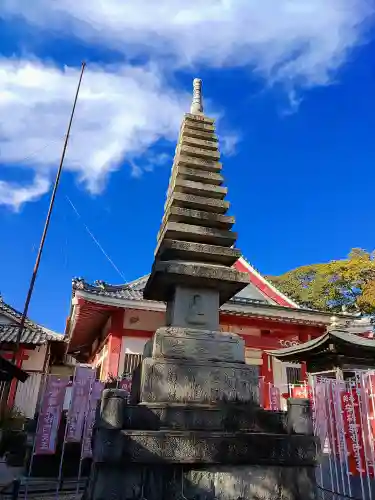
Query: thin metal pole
(46, 225)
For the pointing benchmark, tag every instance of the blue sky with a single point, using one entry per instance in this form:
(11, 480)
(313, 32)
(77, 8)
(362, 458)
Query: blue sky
(292, 85)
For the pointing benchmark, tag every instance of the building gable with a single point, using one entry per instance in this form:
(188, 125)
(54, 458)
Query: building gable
(262, 287)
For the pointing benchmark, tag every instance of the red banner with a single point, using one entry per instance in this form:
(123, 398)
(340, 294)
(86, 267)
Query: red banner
(300, 392)
(83, 379)
(95, 395)
(50, 415)
(353, 433)
(274, 398)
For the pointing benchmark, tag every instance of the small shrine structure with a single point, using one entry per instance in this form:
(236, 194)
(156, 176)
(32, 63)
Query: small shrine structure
(337, 353)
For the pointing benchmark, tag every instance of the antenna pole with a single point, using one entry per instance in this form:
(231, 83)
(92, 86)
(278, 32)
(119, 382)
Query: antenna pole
(46, 225)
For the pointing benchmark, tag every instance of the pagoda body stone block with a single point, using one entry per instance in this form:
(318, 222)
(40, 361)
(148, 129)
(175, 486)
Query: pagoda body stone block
(191, 344)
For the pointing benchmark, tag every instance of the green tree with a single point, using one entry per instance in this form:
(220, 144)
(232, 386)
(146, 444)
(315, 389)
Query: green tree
(347, 283)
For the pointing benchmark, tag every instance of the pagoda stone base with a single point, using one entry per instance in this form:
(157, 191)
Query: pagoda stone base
(117, 414)
(195, 430)
(219, 482)
(201, 382)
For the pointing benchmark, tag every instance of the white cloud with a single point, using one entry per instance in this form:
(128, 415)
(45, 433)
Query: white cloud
(119, 115)
(13, 195)
(302, 40)
(122, 111)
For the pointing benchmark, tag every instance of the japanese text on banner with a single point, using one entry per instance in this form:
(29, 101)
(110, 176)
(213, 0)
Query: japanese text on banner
(84, 377)
(96, 392)
(353, 433)
(50, 415)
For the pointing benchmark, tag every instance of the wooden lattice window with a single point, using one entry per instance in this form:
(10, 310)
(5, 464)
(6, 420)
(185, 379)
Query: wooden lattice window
(131, 362)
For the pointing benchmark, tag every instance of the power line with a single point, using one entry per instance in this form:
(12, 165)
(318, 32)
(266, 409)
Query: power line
(96, 241)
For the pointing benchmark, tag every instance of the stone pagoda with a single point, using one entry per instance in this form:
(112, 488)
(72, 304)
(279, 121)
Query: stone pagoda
(194, 428)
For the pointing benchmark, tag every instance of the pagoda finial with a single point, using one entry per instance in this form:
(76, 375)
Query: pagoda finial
(197, 104)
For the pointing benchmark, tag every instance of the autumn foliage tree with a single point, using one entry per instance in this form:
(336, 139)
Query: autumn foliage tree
(347, 284)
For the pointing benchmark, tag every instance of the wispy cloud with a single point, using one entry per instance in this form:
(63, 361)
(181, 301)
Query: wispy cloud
(120, 114)
(124, 110)
(14, 195)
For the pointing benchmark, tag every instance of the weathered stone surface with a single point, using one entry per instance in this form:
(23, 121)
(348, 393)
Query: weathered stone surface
(197, 252)
(165, 276)
(199, 218)
(232, 417)
(195, 174)
(250, 483)
(219, 482)
(198, 344)
(199, 189)
(189, 130)
(195, 447)
(197, 203)
(194, 308)
(181, 381)
(199, 143)
(188, 161)
(199, 234)
(198, 152)
(299, 417)
(198, 119)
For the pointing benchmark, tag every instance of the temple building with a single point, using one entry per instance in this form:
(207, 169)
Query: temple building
(109, 325)
(41, 351)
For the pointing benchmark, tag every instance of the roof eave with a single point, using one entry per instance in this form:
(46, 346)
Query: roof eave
(273, 312)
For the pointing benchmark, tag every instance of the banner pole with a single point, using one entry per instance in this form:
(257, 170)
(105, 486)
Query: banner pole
(83, 435)
(64, 441)
(30, 468)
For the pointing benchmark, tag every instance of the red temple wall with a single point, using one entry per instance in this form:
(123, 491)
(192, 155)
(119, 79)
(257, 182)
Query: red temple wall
(130, 327)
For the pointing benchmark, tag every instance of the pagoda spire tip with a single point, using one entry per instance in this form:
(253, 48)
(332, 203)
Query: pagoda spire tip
(197, 104)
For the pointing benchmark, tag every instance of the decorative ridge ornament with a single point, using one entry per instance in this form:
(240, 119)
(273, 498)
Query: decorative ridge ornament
(197, 104)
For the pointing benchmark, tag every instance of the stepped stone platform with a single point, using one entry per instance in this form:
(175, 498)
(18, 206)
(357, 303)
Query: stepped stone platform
(194, 428)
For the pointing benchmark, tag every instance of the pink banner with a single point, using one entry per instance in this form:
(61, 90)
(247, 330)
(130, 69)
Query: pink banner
(95, 395)
(83, 378)
(50, 415)
(261, 392)
(274, 398)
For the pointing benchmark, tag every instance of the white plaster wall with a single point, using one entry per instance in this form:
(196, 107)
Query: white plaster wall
(253, 356)
(36, 359)
(27, 394)
(135, 319)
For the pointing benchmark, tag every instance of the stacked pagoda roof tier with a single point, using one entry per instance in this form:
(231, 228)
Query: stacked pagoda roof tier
(196, 228)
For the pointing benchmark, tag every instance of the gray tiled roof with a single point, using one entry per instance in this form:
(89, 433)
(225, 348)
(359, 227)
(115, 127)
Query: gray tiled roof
(134, 291)
(32, 334)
